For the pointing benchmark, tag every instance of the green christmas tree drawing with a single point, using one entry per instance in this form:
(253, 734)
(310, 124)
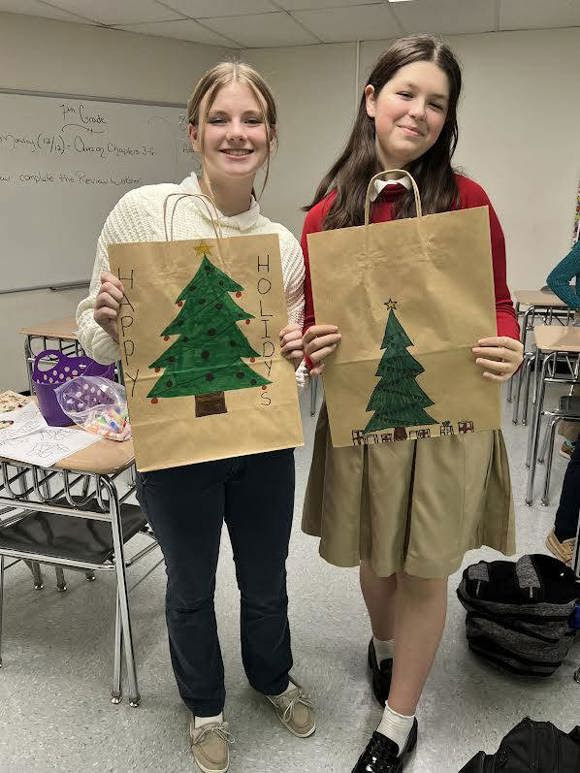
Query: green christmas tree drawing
(206, 360)
(397, 400)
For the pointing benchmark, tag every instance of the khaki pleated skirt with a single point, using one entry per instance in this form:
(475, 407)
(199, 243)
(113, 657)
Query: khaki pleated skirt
(413, 506)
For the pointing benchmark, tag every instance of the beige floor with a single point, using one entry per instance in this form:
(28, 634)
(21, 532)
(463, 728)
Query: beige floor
(55, 713)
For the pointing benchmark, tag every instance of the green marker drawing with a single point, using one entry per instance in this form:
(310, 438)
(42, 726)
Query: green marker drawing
(397, 400)
(206, 359)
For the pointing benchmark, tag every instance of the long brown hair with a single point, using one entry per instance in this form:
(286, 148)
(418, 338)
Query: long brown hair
(218, 77)
(350, 174)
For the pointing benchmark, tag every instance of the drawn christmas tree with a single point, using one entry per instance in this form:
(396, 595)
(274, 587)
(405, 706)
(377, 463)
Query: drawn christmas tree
(206, 360)
(397, 400)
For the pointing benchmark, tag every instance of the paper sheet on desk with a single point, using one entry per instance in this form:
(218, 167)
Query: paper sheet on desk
(47, 446)
(10, 400)
(20, 422)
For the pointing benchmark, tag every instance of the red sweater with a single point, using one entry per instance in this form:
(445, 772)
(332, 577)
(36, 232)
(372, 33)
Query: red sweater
(470, 195)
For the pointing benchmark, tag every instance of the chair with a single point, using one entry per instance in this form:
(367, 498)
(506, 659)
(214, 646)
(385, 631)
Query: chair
(551, 343)
(73, 515)
(568, 410)
(546, 305)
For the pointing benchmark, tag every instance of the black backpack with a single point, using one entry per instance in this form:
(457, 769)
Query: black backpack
(531, 746)
(518, 614)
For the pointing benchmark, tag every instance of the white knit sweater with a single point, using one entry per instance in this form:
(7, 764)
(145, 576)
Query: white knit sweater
(138, 217)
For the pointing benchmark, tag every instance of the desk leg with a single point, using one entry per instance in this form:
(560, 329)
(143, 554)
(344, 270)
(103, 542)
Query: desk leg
(116, 693)
(510, 384)
(521, 372)
(34, 567)
(550, 438)
(537, 376)
(523, 377)
(1, 602)
(532, 429)
(27, 359)
(60, 579)
(533, 360)
(115, 510)
(526, 324)
(534, 432)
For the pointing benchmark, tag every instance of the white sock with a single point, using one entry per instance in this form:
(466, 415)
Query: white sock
(384, 649)
(395, 726)
(201, 721)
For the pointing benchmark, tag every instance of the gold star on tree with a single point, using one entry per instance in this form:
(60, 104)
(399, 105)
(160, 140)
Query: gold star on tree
(203, 249)
(391, 304)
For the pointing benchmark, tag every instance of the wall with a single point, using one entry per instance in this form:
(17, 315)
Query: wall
(45, 55)
(519, 121)
(519, 131)
(520, 138)
(315, 91)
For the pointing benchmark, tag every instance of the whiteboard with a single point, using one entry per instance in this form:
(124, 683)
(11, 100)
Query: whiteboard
(64, 163)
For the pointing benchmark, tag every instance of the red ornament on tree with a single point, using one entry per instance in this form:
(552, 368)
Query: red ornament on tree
(166, 338)
(247, 322)
(154, 401)
(180, 303)
(238, 294)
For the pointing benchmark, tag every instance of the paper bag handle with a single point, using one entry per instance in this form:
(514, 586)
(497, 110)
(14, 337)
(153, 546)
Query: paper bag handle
(213, 216)
(392, 171)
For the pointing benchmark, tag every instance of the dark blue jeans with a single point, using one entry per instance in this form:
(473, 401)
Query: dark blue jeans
(567, 514)
(186, 507)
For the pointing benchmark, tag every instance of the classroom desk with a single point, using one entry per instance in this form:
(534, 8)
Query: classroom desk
(550, 307)
(64, 328)
(551, 341)
(54, 334)
(538, 298)
(538, 301)
(94, 472)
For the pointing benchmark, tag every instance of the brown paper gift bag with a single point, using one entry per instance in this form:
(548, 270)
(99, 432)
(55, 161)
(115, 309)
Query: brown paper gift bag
(411, 298)
(198, 330)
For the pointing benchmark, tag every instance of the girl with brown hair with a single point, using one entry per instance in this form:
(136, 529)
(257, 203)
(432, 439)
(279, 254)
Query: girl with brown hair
(232, 125)
(407, 511)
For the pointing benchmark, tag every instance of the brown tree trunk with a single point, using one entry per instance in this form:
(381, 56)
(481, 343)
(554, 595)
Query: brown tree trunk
(400, 433)
(210, 404)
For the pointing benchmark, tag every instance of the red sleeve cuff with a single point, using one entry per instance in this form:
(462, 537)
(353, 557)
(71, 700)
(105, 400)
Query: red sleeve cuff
(507, 324)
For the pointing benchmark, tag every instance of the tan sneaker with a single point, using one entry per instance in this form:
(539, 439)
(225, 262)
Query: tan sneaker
(295, 711)
(562, 550)
(210, 746)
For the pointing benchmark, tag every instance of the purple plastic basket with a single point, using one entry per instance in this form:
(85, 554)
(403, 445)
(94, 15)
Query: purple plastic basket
(51, 369)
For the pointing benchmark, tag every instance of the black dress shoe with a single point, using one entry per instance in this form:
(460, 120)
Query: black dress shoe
(382, 754)
(381, 674)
